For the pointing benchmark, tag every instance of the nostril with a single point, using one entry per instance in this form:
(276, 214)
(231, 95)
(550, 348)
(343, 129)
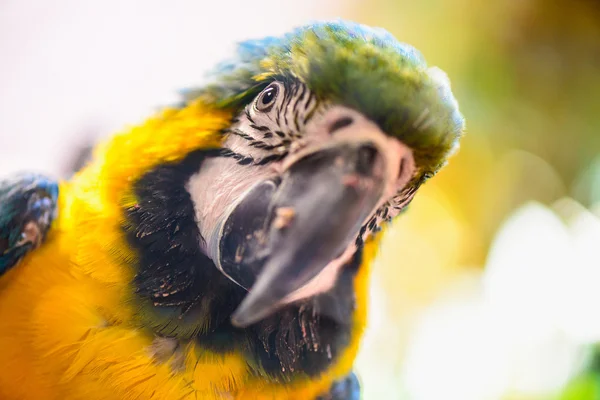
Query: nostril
(403, 168)
(340, 123)
(366, 160)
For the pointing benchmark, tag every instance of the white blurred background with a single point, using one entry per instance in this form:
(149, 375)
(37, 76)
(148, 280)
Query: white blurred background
(74, 68)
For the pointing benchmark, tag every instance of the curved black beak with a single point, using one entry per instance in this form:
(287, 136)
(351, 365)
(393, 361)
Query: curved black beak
(317, 209)
(286, 230)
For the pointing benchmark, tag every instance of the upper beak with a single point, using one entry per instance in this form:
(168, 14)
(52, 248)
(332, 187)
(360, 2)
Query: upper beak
(287, 230)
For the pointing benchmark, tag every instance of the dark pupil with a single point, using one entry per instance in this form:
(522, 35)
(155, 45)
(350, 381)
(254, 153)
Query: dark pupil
(268, 96)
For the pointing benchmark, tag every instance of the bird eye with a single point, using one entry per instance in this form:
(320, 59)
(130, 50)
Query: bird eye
(266, 99)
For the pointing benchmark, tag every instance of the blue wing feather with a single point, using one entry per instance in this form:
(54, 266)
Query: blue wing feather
(345, 389)
(28, 205)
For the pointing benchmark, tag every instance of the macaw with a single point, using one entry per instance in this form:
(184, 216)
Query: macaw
(221, 249)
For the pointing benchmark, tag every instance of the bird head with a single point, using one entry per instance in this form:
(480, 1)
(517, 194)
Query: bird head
(335, 126)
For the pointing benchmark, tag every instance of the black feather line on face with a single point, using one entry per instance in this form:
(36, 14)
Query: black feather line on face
(183, 294)
(248, 160)
(258, 144)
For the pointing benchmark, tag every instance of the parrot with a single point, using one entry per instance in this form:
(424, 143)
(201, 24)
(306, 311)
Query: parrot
(222, 248)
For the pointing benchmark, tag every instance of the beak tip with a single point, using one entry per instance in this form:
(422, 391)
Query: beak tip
(238, 322)
(239, 318)
(252, 309)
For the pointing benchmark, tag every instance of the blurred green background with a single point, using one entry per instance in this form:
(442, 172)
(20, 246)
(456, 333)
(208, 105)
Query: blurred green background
(488, 274)
(488, 287)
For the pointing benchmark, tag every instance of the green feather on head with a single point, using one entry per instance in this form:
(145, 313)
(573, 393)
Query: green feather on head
(354, 65)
